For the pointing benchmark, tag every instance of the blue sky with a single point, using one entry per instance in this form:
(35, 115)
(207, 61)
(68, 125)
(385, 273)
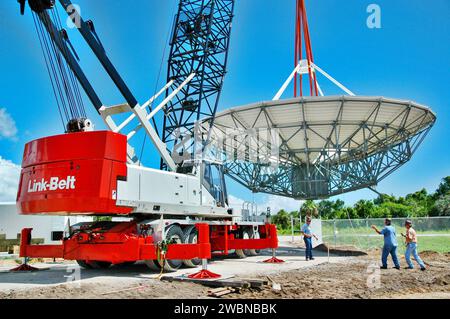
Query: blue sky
(408, 58)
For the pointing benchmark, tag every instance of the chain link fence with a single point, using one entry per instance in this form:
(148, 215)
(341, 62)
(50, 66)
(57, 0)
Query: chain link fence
(433, 233)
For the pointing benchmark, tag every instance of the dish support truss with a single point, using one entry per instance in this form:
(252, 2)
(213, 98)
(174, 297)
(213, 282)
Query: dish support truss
(326, 179)
(342, 165)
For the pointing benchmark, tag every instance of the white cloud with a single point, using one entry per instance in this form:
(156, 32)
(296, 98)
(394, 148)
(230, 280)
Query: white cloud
(235, 202)
(8, 127)
(9, 180)
(277, 203)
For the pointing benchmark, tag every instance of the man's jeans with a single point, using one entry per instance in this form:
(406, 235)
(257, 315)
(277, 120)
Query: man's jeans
(308, 245)
(389, 250)
(412, 249)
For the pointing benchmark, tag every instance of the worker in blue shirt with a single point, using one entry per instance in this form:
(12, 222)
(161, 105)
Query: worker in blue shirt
(390, 243)
(307, 237)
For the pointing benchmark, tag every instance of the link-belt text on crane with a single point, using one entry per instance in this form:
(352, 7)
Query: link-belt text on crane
(53, 184)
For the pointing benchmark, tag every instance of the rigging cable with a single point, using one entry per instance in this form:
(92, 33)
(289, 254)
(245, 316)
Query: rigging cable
(302, 33)
(64, 83)
(50, 69)
(75, 84)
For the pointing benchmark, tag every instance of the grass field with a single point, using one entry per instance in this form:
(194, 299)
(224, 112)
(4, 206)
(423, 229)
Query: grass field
(365, 238)
(439, 244)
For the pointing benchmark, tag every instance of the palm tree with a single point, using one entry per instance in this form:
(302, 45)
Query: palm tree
(309, 208)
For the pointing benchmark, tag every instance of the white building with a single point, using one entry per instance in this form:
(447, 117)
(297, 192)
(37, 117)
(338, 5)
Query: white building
(12, 223)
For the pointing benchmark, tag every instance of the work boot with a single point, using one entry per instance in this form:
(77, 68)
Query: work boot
(397, 267)
(409, 268)
(312, 258)
(383, 267)
(423, 269)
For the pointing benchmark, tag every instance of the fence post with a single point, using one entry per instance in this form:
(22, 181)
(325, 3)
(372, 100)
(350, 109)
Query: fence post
(292, 227)
(367, 238)
(334, 233)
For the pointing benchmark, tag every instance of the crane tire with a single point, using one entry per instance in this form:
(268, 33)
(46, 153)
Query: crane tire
(173, 232)
(190, 237)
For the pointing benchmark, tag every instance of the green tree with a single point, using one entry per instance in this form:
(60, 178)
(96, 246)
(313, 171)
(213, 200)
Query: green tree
(338, 204)
(326, 209)
(294, 214)
(384, 198)
(396, 209)
(419, 196)
(346, 213)
(330, 209)
(364, 208)
(444, 187)
(380, 212)
(420, 202)
(442, 206)
(282, 219)
(309, 208)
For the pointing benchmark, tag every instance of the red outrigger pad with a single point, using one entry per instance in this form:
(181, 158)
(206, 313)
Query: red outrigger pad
(273, 260)
(73, 174)
(24, 267)
(204, 274)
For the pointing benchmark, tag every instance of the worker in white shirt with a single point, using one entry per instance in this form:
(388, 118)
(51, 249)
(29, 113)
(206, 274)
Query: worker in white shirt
(411, 246)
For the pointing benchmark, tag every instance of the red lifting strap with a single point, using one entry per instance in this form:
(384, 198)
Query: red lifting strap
(302, 32)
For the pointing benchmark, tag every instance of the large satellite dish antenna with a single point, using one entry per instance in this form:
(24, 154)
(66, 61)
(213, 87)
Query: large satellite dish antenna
(316, 147)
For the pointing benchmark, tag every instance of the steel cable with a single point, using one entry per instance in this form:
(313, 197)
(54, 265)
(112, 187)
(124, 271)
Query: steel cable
(64, 84)
(75, 85)
(48, 69)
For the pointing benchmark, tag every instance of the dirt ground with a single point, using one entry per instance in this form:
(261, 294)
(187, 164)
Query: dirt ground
(137, 290)
(120, 283)
(356, 276)
(349, 280)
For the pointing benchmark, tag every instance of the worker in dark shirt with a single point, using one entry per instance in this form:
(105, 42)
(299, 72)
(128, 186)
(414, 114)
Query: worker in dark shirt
(390, 243)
